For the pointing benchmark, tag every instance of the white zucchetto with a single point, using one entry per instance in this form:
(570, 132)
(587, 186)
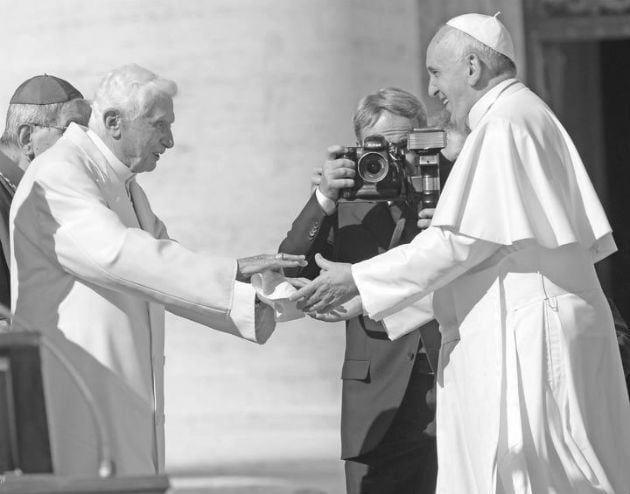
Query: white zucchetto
(486, 29)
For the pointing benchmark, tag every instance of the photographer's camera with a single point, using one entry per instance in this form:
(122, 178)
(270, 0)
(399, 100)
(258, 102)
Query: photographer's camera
(380, 168)
(384, 174)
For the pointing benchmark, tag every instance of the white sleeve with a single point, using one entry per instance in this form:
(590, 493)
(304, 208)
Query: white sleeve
(409, 318)
(402, 276)
(87, 238)
(328, 205)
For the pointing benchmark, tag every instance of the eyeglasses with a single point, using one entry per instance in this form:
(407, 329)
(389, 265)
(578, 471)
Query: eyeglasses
(62, 129)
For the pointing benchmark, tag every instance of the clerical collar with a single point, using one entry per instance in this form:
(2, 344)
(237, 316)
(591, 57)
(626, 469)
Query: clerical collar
(122, 171)
(481, 107)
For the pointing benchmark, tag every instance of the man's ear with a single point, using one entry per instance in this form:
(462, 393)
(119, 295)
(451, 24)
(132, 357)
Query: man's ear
(112, 121)
(24, 141)
(474, 67)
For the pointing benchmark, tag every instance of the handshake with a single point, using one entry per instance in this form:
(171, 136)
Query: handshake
(331, 297)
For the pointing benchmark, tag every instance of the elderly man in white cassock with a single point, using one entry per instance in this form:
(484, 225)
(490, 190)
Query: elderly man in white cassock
(531, 396)
(94, 270)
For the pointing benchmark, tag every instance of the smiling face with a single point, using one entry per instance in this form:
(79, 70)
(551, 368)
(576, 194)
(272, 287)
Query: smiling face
(449, 75)
(144, 138)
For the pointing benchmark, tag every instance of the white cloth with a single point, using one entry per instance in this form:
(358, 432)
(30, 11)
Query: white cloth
(531, 396)
(273, 289)
(513, 181)
(93, 269)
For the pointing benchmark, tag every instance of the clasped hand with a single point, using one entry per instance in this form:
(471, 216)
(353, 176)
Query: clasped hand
(330, 289)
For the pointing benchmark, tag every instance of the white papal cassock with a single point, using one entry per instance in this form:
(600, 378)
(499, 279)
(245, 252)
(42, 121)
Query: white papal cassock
(531, 395)
(93, 269)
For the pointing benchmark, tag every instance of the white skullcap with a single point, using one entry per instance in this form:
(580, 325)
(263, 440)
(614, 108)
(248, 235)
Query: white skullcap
(486, 29)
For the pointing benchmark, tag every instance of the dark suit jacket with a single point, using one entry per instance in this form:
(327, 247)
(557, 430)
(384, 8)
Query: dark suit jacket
(376, 371)
(9, 174)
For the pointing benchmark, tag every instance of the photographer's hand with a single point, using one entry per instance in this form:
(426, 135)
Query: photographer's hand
(337, 173)
(425, 216)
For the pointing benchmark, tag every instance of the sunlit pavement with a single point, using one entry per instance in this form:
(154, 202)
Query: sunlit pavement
(299, 477)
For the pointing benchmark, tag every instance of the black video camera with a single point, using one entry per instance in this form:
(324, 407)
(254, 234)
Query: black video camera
(383, 172)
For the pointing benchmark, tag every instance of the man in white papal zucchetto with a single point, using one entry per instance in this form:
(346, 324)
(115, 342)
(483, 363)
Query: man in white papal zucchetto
(531, 397)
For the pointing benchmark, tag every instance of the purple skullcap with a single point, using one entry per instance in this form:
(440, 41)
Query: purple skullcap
(44, 90)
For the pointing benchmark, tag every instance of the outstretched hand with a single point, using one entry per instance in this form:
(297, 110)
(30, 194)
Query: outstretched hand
(331, 288)
(348, 310)
(248, 266)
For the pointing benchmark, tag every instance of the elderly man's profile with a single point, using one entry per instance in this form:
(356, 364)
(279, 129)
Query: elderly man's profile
(94, 269)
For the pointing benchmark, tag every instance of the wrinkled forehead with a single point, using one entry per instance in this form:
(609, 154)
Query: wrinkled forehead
(445, 46)
(77, 110)
(160, 107)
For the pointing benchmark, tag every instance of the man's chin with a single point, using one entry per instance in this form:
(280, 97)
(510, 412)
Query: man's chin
(147, 166)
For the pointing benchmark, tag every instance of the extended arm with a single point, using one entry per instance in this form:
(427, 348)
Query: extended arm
(76, 228)
(397, 278)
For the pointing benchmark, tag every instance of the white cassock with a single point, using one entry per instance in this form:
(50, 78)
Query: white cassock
(531, 395)
(93, 269)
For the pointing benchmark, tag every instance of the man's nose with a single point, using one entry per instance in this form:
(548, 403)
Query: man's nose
(167, 140)
(432, 89)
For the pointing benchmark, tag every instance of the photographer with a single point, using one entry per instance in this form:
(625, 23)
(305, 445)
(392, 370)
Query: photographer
(385, 383)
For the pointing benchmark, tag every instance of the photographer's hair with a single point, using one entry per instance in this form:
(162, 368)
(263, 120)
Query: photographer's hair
(131, 90)
(390, 99)
(20, 114)
(463, 43)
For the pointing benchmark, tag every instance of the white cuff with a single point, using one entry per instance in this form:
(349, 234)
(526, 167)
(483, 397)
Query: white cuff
(243, 312)
(410, 318)
(328, 205)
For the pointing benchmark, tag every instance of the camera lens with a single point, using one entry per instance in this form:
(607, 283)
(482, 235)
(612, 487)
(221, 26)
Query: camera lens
(373, 167)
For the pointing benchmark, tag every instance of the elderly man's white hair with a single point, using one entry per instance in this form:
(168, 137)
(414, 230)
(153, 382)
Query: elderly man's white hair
(130, 89)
